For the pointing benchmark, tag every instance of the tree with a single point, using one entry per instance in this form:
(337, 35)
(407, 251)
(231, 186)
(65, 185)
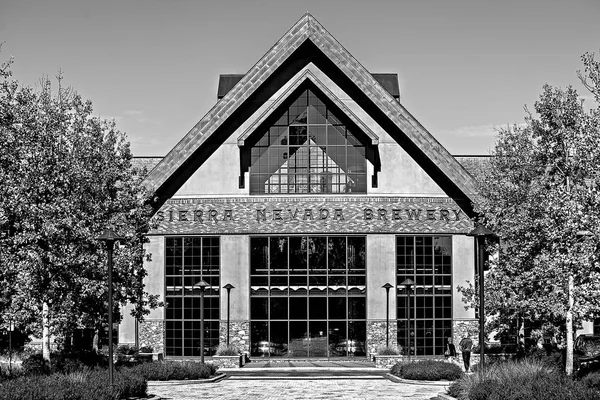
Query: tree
(540, 194)
(66, 175)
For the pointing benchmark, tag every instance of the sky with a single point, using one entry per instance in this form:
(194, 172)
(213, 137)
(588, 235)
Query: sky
(465, 67)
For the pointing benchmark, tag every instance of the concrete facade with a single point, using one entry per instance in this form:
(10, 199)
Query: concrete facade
(407, 200)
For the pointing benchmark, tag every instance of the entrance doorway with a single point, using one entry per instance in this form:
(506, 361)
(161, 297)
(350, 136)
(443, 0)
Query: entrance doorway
(308, 296)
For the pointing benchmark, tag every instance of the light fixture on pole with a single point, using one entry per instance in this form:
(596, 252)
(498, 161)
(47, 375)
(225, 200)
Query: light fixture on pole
(387, 288)
(480, 233)
(408, 283)
(109, 237)
(202, 285)
(228, 287)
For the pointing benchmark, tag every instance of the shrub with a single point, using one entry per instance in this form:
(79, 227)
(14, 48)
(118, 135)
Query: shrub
(146, 349)
(16, 355)
(76, 360)
(592, 380)
(225, 350)
(483, 389)
(35, 364)
(500, 349)
(521, 380)
(387, 351)
(173, 370)
(9, 373)
(427, 370)
(126, 350)
(84, 384)
(460, 388)
(130, 384)
(551, 357)
(66, 362)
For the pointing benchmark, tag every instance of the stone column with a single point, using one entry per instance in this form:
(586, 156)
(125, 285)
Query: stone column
(239, 334)
(152, 330)
(376, 331)
(152, 333)
(235, 270)
(381, 269)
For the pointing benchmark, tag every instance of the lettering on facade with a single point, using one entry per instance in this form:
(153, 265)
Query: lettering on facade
(382, 214)
(410, 214)
(195, 216)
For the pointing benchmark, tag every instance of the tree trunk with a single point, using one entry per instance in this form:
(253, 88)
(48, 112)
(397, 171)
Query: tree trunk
(96, 340)
(569, 363)
(45, 333)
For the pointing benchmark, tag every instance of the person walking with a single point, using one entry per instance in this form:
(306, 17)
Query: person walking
(465, 346)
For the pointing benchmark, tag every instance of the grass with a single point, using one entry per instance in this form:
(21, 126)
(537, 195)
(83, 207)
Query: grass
(527, 380)
(225, 350)
(173, 370)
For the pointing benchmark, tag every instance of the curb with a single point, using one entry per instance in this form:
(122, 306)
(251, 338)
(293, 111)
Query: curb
(214, 379)
(444, 396)
(394, 378)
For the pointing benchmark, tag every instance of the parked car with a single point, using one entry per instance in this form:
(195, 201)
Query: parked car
(586, 353)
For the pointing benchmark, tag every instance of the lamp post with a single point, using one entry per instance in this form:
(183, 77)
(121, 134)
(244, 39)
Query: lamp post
(229, 286)
(109, 237)
(480, 233)
(387, 287)
(408, 283)
(202, 285)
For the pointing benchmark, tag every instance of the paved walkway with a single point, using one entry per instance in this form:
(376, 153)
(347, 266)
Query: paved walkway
(300, 379)
(235, 388)
(307, 363)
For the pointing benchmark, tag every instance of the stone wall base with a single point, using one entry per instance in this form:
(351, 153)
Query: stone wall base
(228, 361)
(152, 333)
(376, 335)
(239, 335)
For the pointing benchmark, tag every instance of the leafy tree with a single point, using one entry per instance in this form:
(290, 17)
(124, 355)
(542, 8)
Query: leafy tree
(540, 194)
(66, 175)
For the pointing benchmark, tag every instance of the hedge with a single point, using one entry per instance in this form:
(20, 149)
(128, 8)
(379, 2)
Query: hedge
(173, 370)
(427, 370)
(521, 380)
(86, 384)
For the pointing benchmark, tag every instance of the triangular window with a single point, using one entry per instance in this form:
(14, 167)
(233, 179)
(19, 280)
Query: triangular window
(308, 150)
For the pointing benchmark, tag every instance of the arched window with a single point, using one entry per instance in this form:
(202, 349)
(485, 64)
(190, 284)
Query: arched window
(308, 150)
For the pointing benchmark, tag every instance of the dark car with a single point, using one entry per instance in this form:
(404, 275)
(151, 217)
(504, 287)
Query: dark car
(586, 352)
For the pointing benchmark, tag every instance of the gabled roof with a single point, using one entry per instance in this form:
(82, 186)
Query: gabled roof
(308, 41)
(387, 80)
(308, 75)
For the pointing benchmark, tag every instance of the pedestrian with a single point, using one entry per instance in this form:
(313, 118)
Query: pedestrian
(450, 350)
(465, 346)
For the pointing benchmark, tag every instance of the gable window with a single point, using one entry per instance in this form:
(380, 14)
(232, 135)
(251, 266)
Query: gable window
(308, 150)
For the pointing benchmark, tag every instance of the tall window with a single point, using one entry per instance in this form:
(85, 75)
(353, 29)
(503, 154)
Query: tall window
(427, 261)
(308, 150)
(188, 260)
(308, 296)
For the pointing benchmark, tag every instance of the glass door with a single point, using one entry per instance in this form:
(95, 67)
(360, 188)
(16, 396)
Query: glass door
(308, 296)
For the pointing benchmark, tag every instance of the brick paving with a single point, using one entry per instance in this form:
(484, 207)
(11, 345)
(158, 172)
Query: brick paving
(296, 389)
(299, 379)
(343, 363)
